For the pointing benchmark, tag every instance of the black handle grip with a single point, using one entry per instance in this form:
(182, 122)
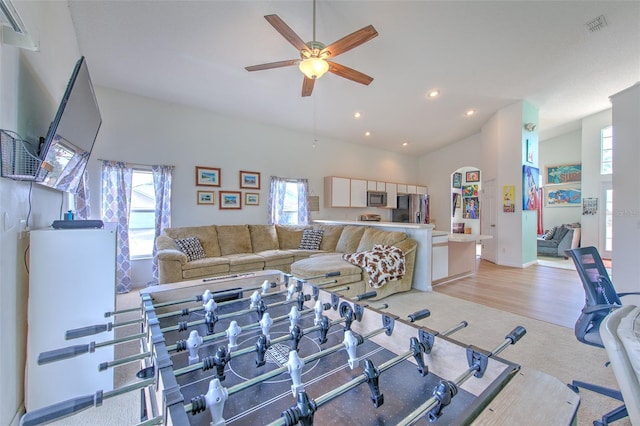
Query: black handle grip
(418, 315)
(516, 334)
(60, 410)
(64, 353)
(367, 295)
(332, 274)
(87, 331)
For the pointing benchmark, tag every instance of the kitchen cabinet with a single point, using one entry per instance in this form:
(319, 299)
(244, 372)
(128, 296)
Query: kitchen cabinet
(412, 189)
(421, 190)
(440, 257)
(72, 284)
(402, 188)
(372, 185)
(358, 196)
(392, 195)
(337, 192)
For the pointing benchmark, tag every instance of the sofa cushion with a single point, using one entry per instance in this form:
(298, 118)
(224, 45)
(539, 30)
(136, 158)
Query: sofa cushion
(330, 236)
(191, 247)
(234, 239)
(208, 266)
(311, 239)
(274, 258)
(319, 265)
(548, 234)
(263, 237)
(289, 236)
(560, 233)
(350, 239)
(207, 235)
(373, 236)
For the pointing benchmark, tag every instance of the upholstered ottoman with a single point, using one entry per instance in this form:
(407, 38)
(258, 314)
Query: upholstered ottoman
(350, 275)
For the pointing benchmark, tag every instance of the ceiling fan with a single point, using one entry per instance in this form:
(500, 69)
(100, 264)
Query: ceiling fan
(316, 57)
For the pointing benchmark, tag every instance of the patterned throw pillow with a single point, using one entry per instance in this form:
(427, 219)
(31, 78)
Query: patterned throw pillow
(191, 247)
(549, 233)
(311, 239)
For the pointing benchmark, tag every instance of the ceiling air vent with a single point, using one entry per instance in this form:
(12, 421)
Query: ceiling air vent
(14, 32)
(596, 24)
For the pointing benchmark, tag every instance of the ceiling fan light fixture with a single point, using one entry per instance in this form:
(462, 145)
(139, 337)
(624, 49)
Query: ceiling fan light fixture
(313, 68)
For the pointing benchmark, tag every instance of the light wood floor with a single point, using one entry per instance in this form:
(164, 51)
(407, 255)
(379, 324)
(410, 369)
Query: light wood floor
(544, 293)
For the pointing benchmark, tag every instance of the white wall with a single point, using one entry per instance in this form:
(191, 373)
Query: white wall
(563, 149)
(29, 83)
(435, 170)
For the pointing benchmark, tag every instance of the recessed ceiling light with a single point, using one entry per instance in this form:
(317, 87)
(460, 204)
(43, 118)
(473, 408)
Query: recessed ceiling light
(433, 93)
(367, 133)
(470, 112)
(356, 115)
(405, 143)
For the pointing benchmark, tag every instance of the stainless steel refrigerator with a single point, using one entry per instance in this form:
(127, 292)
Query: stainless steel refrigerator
(412, 208)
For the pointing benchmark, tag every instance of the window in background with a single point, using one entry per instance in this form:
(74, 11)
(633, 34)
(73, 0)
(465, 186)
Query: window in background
(606, 151)
(142, 214)
(290, 207)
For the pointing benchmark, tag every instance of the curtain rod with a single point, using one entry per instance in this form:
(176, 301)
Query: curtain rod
(131, 164)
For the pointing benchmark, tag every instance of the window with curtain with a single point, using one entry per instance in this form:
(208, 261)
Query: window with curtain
(142, 214)
(288, 201)
(606, 151)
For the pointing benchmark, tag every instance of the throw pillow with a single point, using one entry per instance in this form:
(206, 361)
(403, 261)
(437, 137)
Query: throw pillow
(549, 233)
(311, 239)
(191, 247)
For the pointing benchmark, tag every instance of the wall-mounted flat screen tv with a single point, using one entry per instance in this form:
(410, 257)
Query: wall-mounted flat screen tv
(66, 149)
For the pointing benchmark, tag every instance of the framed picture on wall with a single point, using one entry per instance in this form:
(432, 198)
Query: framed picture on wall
(251, 199)
(569, 195)
(473, 176)
(249, 180)
(230, 200)
(457, 180)
(206, 197)
(207, 176)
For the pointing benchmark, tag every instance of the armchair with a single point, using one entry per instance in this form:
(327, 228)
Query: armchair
(600, 300)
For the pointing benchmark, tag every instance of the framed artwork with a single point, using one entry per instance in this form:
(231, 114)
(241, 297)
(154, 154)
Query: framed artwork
(569, 195)
(471, 208)
(207, 176)
(206, 197)
(530, 193)
(564, 173)
(529, 151)
(251, 199)
(509, 198)
(470, 191)
(230, 200)
(249, 180)
(589, 206)
(473, 176)
(457, 180)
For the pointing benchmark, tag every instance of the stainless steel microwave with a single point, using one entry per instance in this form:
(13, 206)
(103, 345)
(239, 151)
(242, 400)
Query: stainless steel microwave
(376, 199)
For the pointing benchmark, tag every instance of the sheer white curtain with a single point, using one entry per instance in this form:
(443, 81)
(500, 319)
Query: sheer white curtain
(278, 196)
(162, 176)
(116, 203)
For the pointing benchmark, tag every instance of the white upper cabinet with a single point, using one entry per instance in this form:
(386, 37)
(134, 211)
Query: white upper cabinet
(358, 193)
(337, 192)
(402, 188)
(392, 195)
(412, 189)
(421, 190)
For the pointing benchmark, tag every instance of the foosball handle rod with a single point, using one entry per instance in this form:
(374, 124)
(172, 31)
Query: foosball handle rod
(98, 328)
(367, 295)
(418, 315)
(73, 351)
(451, 388)
(72, 406)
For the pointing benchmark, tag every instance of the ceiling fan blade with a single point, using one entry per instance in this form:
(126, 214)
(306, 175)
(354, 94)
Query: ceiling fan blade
(349, 42)
(270, 65)
(349, 73)
(307, 86)
(287, 32)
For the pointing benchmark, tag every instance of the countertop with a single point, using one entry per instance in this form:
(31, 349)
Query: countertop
(400, 225)
(462, 238)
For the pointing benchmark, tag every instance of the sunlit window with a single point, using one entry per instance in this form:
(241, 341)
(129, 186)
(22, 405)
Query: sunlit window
(142, 214)
(606, 151)
(290, 208)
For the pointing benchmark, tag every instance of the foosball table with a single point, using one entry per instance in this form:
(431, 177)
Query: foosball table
(266, 348)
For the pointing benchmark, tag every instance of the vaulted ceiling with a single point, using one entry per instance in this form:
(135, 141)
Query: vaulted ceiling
(480, 55)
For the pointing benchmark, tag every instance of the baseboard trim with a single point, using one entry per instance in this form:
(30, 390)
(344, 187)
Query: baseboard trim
(15, 421)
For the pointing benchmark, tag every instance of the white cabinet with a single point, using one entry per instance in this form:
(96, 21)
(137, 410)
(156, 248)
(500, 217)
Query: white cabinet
(381, 186)
(358, 193)
(412, 189)
(440, 257)
(421, 190)
(392, 195)
(71, 285)
(402, 188)
(337, 191)
(372, 185)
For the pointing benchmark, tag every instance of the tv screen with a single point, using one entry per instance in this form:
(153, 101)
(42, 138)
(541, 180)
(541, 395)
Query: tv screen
(66, 149)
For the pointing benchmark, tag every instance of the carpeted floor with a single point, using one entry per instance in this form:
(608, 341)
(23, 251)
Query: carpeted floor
(546, 347)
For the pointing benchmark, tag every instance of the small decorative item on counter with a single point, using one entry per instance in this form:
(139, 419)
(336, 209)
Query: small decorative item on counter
(68, 215)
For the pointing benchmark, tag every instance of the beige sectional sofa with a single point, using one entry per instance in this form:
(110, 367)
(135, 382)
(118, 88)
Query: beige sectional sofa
(230, 249)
